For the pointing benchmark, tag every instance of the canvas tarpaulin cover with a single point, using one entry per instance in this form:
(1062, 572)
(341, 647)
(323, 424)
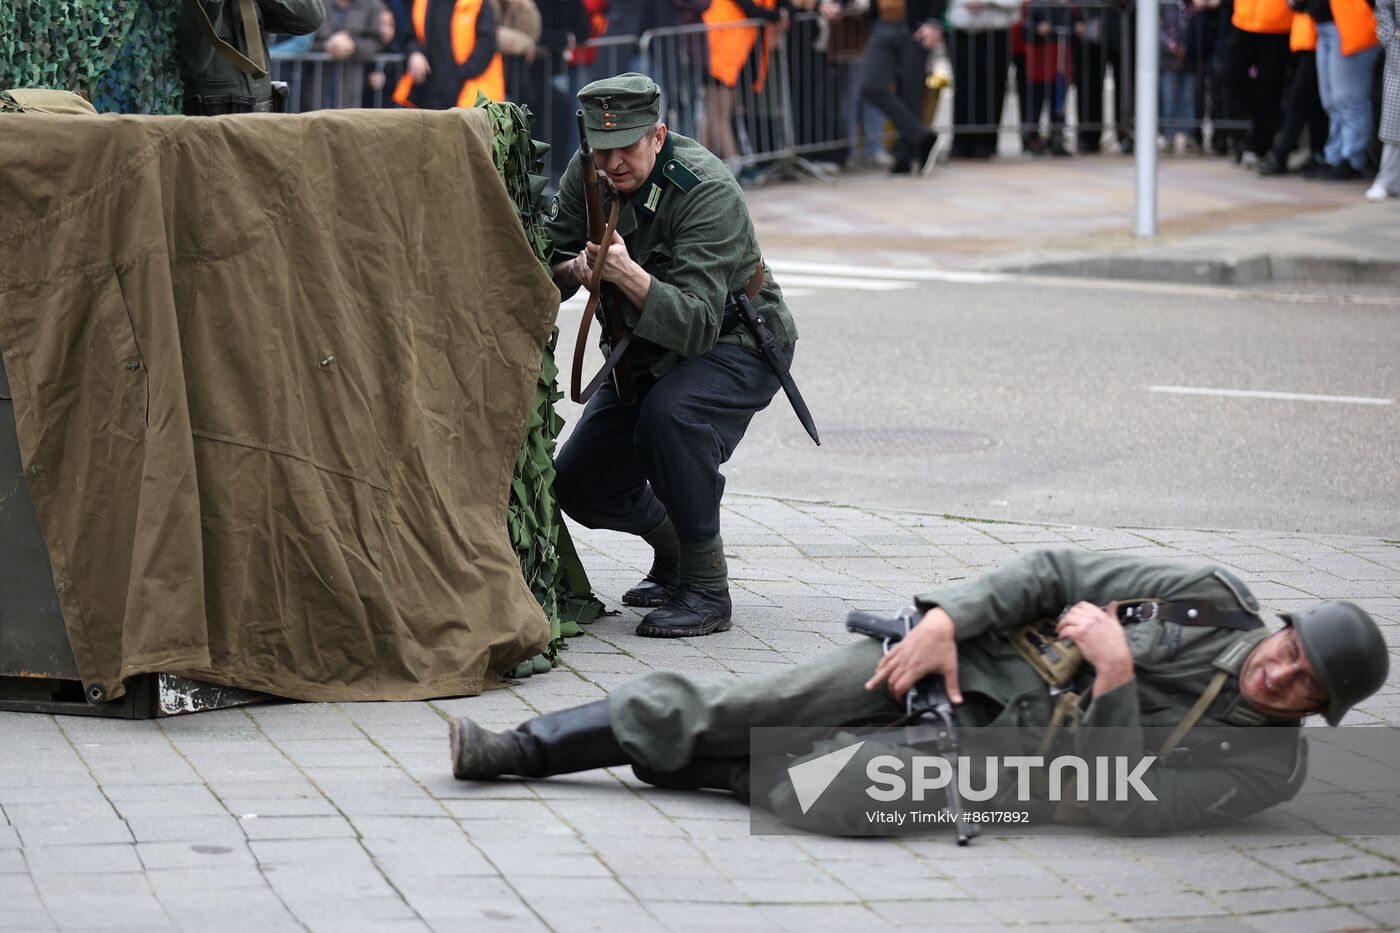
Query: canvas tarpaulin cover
(271, 375)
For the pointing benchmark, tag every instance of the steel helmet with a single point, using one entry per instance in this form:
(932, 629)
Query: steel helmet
(1346, 648)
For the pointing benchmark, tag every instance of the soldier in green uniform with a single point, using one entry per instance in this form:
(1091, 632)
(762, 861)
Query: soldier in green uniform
(223, 55)
(1162, 642)
(684, 243)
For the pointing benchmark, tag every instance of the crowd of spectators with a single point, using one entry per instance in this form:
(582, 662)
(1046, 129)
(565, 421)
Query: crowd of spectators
(1253, 80)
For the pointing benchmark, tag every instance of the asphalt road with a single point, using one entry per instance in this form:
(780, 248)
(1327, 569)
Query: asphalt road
(1034, 400)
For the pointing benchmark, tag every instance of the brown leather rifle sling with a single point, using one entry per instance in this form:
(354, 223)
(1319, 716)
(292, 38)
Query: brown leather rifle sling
(619, 337)
(595, 294)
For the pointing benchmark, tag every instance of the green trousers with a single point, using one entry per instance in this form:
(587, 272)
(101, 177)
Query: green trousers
(666, 719)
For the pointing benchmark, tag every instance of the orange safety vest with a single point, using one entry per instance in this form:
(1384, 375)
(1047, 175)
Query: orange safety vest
(730, 45)
(491, 82)
(1267, 16)
(1356, 23)
(1302, 37)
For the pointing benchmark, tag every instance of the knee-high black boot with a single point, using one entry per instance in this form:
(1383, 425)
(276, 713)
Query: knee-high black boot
(729, 774)
(576, 739)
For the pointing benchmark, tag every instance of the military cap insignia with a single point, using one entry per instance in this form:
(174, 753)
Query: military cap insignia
(554, 208)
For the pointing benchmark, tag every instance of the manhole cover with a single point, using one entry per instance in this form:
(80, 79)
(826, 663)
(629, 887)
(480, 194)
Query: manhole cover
(895, 441)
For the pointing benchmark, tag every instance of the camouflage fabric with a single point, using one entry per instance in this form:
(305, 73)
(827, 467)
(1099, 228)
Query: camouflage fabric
(119, 54)
(547, 556)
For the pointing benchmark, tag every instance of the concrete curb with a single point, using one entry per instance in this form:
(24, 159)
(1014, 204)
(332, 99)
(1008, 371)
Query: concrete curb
(1243, 270)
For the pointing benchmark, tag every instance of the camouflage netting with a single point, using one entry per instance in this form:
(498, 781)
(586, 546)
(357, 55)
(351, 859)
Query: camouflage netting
(120, 54)
(541, 539)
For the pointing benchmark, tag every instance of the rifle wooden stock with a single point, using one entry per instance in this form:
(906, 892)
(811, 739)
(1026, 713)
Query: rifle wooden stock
(599, 299)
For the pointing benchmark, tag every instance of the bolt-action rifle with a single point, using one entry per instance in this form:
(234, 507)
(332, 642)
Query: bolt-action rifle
(602, 302)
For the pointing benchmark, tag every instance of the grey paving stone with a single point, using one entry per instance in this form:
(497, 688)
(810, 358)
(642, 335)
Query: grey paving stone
(569, 914)
(1359, 891)
(1309, 921)
(897, 882)
(236, 910)
(604, 887)
(111, 858)
(177, 881)
(1013, 908)
(936, 915)
(212, 830)
(801, 918)
(1194, 925)
(990, 887)
(1260, 900)
(663, 886)
(12, 860)
(769, 891)
(297, 827)
(1155, 905)
(305, 805)
(25, 915)
(70, 833)
(695, 917)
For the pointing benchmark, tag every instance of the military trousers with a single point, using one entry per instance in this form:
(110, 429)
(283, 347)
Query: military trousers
(627, 467)
(665, 720)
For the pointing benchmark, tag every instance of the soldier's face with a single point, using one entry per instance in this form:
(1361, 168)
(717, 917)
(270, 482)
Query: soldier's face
(628, 168)
(1277, 678)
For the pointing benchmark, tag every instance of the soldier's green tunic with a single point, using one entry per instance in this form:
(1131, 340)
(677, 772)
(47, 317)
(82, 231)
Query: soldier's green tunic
(687, 225)
(207, 73)
(668, 720)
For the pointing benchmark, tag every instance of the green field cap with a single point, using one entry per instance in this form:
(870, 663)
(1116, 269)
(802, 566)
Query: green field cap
(618, 111)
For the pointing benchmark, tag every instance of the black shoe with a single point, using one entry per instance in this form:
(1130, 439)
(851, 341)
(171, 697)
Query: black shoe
(1343, 172)
(926, 150)
(690, 611)
(577, 739)
(657, 586)
(1312, 167)
(1057, 148)
(1271, 164)
(901, 167)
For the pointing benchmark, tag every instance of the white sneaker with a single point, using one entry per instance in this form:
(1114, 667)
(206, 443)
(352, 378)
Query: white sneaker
(1377, 192)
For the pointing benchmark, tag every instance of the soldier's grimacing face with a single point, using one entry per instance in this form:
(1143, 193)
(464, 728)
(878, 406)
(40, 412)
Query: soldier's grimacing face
(628, 168)
(1277, 678)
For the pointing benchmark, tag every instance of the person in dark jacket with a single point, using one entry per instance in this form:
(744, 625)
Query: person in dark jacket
(451, 56)
(902, 33)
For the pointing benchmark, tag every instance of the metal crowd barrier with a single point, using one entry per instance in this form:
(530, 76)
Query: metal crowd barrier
(1058, 81)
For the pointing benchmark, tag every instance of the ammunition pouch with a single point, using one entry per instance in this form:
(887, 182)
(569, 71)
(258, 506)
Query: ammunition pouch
(216, 105)
(1056, 660)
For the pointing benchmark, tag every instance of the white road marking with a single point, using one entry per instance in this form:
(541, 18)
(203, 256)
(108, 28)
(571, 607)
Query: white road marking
(787, 268)
(1286, 396)
(836, 281)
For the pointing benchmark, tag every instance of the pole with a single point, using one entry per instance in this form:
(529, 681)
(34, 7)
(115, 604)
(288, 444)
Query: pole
(1145, 124)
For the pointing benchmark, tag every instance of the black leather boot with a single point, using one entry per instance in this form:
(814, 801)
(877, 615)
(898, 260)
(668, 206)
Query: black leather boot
(576, 739)
(657, 586)
(726, 774)
(690, 611)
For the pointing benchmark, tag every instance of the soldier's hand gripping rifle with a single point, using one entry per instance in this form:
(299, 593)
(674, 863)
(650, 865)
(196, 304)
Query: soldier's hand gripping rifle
(599, 303)
(928, 718)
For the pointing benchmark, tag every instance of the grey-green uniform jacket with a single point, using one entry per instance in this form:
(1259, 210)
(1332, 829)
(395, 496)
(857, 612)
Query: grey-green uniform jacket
(206, 72)
(668, 720)
(687, 225)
